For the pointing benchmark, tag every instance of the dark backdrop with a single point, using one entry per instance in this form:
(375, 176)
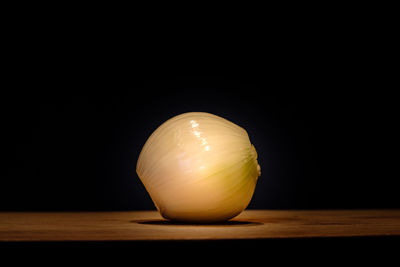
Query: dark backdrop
(323, 140)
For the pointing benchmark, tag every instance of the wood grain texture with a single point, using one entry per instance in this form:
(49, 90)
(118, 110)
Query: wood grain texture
(148, 225)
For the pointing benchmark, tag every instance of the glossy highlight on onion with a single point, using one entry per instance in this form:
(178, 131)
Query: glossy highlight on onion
(199, 167)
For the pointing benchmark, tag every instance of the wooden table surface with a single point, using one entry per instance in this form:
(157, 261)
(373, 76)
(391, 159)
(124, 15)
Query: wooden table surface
(148, 225)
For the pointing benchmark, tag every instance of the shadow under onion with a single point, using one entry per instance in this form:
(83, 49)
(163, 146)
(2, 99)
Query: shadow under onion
(176, 223)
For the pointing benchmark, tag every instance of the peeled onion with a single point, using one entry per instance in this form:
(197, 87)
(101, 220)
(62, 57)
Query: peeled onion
(199, 167)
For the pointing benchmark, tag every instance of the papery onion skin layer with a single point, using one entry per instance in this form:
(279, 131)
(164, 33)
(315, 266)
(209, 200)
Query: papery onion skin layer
(199, 167)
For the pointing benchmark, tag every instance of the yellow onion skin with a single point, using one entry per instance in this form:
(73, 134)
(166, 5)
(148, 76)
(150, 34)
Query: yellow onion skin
(199, 167)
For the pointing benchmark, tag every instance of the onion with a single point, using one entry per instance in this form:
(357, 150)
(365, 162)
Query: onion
(199, 167)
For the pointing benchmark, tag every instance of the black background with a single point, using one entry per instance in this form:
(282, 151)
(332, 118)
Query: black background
(323, 138)
(317, 99)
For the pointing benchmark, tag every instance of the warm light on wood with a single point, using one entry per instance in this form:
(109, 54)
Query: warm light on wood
(148, 225)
